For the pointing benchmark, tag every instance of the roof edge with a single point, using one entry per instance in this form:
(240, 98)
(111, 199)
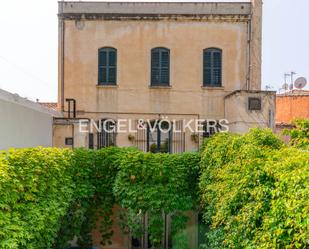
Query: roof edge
(18, 100)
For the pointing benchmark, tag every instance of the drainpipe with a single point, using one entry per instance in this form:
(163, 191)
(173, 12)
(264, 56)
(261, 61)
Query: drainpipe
(69, 107)
(62, 48)
(249, 65)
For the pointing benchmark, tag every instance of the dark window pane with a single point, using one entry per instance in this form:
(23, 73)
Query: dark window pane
(155, 59)
(155, 76)
(207, 59)
(207, 76)
(160, 66)
(212, 67)
(112, 75)
(217, 59)
(103, 58)
(91, 142)
(112, 58)
(102, 75)
(165, 59)
(107, 66)
(164, 76)
(216, 77)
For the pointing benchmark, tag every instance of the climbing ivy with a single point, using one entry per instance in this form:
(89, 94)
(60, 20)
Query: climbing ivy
(94, 176)
(299, 134)
(156, 185)
(252, 191)
(36, 189)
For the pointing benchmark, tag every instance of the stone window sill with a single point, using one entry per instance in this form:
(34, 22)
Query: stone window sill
(212, 87)
(159, 87)
(107, 86)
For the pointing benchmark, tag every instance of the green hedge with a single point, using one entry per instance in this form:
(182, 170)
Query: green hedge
(36, 188)
(153, 184)
(300, 134)
(50, 196)
(254, 192)
(94, 177)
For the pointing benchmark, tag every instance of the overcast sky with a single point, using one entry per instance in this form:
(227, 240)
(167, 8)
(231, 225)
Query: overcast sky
(29, 37)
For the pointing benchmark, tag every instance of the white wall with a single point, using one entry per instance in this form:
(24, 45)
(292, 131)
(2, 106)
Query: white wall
(23, 123)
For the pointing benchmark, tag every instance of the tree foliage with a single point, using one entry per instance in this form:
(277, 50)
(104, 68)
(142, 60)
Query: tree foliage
(36, 189)
(254, 191)
(156, 184)
(300, 134)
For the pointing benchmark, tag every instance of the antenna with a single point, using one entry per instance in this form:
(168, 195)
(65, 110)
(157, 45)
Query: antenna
(291, 87)
(292, 76)
(286, 75)
(300, 82)
(285, 86)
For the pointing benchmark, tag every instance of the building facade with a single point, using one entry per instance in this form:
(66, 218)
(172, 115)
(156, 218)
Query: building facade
(152, 60)
(159, 61)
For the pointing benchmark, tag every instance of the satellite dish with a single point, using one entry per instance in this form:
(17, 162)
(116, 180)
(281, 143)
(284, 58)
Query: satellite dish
(285, 86)
(291, 86)
(300, 83)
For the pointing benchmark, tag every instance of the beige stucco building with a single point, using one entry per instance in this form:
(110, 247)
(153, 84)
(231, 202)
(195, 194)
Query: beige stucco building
(186, 30)
(155, 61)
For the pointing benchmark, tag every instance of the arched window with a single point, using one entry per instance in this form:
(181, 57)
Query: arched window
(212, 69)
(160, 67)
(107, 71)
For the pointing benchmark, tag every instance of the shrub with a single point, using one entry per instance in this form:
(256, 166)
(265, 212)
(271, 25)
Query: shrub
(35, 191)
(153, 184)
(94, 176)
(253, 191)
(286, 225)
(300, 134)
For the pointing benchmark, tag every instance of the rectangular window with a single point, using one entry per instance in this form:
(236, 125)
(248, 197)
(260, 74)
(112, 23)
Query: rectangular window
(107, 135)
(212, 67)
(160, 67)
(107, 71)
(255, 104)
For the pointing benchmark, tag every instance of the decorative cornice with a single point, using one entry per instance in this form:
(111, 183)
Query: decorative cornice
(153, 17)
(155, 11)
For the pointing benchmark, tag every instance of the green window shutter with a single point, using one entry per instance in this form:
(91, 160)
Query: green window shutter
(155, 67)
(165, 64)
(107, 70)
(212, 67)
(160, 63)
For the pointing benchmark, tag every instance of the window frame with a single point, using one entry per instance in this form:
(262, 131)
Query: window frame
(107, 67)
(160, 67)
(212, 67)
(104, 138)
(155, 127)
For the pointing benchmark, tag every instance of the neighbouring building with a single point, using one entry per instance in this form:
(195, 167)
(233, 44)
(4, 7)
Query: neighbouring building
(291, 105)
(24, 123)
(152, 61)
